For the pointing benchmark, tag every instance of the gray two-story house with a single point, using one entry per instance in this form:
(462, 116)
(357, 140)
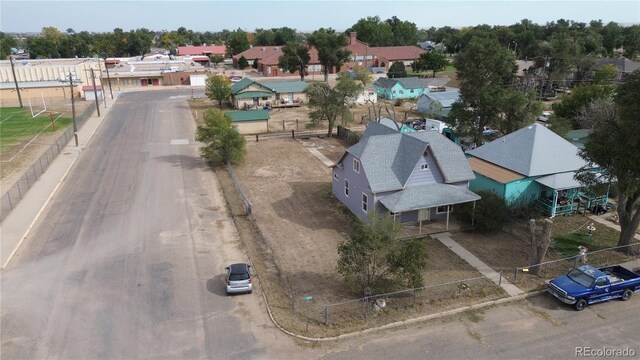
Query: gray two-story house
(415, 177)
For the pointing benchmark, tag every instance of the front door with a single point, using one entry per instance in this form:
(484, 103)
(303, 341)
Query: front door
(424, 215)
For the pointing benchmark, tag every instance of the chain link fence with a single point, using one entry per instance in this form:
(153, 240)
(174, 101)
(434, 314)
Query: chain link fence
(599, 258)
(17, 191)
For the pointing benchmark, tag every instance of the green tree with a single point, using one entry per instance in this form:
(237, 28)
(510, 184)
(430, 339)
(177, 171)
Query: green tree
(484, 69)
(6, 43)
(295, 57)
(404, 32)
(216, 59)
(223, 142)
(613, 148)
(243, 62)
(397, 70)
(218, 88)
(518, 110)
(631, 42)
(605, 75)
(237, 43)
(331, 49)
(580, 97)
(362, 74)
(373, 31)
(326, 103)
(489, 215)
(372, 260)
(431, 61)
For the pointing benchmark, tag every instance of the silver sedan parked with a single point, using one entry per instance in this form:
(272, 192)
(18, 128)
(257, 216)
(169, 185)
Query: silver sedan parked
(238, 279)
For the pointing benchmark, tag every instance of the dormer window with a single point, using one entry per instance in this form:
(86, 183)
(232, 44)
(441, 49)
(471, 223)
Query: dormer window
(424, 167)
(356, 165)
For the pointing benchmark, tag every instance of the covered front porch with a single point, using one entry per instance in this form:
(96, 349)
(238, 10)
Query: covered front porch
(422, 205)
(561, 194)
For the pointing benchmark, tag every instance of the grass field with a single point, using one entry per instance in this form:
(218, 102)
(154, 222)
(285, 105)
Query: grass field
(17, 126)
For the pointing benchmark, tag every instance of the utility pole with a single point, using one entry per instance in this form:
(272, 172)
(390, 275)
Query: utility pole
(544, 66)
(15, 80)
(104, 96)
(73, 110)
(95, 91)
(108, 78)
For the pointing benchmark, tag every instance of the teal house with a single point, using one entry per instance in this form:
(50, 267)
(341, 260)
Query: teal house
(532, 166)
(400, 88)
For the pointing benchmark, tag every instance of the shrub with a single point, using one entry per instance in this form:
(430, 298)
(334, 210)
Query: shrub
(490, 213)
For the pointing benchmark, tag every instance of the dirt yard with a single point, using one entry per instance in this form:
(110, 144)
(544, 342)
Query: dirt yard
(303, 224)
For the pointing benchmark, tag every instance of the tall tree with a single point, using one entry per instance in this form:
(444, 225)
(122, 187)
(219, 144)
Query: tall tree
(580, 97)
(485, 68)
(631, 42)
(397, 70)
(373, 31)
(6, 43)
(404, 32)
(237, 43)
(432, 61)
(373, 261)
(222, 141)
(326, 103)
(518, 110)
(295, 57)
(331, 49)
(613, 146)
(218, 88)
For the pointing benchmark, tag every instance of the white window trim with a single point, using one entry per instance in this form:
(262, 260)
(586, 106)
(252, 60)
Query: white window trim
(444, 212)
(365, 202)
(424, 167)
(356, 165)
(335, 176)
(346, 187)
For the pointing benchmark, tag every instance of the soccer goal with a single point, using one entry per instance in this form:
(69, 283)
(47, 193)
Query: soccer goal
(35, 107)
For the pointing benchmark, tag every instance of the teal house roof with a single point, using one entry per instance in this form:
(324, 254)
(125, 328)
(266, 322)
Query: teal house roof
(285, 86)
(249, 115)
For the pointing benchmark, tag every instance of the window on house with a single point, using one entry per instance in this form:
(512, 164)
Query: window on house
(365, 202)
(424, 166)
(335, 176)
(356, 165)
(412, 91)
(346, 187)
(443, 209)
(149, 81)
(401, 91)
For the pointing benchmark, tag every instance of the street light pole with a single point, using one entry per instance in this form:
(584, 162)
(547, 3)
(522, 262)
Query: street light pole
(73, 110)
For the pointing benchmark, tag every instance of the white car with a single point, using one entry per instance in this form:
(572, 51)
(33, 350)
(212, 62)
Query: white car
(545, 116)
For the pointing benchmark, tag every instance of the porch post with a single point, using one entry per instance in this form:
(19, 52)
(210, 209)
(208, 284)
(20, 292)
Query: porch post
(420, 224)
(448, 217)
(473, 213)
(555, 202)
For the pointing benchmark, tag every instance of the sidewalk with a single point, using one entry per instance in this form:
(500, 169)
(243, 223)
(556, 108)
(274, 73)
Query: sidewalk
(16, 226)
(484, 269)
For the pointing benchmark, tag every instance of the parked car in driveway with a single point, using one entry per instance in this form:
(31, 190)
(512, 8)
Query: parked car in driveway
(545, 116)
(238, 279)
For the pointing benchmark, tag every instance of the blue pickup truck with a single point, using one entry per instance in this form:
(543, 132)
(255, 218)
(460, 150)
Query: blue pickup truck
(587, 285)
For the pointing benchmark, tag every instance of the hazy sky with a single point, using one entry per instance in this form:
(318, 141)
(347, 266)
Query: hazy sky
(302, 15)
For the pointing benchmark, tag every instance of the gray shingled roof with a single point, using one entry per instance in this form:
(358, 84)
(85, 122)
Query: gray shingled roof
(384, 82)
(531, 151)
(560, 181)
(412, 83)
(389, 157)
(427, 196)
(449, 156)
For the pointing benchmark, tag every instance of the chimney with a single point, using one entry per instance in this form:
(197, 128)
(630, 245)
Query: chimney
(352, 38)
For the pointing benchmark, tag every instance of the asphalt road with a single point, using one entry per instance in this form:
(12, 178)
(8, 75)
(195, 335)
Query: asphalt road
(539, 328)
(127, 260)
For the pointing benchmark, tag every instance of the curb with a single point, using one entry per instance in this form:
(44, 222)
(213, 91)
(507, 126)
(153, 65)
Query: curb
(402, 322)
